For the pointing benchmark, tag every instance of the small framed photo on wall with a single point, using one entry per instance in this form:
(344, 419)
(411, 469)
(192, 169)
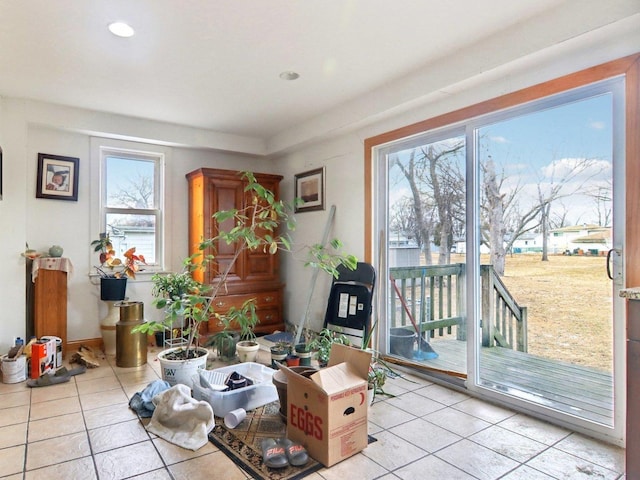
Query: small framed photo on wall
(57, 177)
(310, 189)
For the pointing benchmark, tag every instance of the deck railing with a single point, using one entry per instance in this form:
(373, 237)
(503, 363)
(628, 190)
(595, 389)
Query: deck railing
(504, 322)
(432, 298)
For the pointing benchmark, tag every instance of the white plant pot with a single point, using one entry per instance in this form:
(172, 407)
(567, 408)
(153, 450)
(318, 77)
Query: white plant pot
(247, 350)
(371, 394)
(181, 371)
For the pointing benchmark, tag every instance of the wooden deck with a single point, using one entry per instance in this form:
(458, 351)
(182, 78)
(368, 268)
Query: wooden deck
(581, 391)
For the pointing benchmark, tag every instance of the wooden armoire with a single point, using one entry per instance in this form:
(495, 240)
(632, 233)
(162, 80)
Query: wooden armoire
(255, 274)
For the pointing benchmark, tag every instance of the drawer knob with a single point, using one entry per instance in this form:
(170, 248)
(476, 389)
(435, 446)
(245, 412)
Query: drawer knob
(220, 304)
(268, 317)
(268, 299)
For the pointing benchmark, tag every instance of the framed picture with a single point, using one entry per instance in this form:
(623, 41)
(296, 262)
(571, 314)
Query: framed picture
(57, 177)
(310, 188)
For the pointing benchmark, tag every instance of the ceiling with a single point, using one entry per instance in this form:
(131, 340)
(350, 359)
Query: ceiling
(215, 64)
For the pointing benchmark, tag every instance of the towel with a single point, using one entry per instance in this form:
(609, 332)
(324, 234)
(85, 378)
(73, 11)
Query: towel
(180, 419)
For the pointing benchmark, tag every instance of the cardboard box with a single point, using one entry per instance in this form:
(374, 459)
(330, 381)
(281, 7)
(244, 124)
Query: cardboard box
(43, 357)
(327, 412)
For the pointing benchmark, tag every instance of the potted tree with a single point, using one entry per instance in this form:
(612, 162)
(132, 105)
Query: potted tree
(258, 226)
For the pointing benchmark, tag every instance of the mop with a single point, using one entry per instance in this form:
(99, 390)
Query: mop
(425, 351)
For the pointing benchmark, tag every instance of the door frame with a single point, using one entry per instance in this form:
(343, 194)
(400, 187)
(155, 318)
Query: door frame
(630, 68)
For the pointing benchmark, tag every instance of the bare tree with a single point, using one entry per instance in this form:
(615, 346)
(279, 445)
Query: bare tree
(437, 189)
(137, 192)
(495, 217)
(423, 226)
(571, 180)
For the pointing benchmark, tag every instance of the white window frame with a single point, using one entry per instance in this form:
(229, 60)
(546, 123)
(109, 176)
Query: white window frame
(101, 148)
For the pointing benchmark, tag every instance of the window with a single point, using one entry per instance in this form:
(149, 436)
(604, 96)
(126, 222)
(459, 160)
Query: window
(131, 200)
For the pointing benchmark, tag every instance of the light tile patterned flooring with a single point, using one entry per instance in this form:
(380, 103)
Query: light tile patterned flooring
(84, 429)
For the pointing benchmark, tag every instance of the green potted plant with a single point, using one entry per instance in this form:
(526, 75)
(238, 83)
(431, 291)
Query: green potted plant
(279, 353)
(113, 270)
(376, 379)
(321, 344)
(238, 325)
(258, 226)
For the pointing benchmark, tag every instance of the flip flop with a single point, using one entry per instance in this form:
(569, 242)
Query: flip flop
(296, 453)
(273, 454)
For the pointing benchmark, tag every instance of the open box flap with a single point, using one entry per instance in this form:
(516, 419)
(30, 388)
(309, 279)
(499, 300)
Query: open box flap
(358, 359)
(337, 378)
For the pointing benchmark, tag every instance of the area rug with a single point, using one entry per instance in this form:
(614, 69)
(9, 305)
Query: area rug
(242, 444)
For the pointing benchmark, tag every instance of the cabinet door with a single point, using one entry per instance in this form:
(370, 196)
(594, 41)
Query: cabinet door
(260, 266)
(225, 195)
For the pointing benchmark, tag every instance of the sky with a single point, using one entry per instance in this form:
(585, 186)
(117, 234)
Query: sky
(545, 148)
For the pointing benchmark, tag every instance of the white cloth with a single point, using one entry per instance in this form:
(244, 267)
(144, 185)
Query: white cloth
(50, 263)
(180, 419)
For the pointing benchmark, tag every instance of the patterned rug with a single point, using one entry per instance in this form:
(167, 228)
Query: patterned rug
(242, 444)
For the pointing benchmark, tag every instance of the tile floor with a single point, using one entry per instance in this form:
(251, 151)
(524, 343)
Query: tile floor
(84, 429)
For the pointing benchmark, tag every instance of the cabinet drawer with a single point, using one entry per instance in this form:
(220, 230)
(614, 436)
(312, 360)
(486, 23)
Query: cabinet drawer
(266, 318)
(263, 299)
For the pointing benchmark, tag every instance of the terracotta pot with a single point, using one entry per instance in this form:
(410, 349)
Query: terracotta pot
(280, 381)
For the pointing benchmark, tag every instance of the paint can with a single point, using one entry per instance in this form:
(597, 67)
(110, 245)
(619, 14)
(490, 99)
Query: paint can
(58, 340)
(14, 370)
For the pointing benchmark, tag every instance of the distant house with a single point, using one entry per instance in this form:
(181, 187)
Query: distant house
(588, 239)
(528, 243)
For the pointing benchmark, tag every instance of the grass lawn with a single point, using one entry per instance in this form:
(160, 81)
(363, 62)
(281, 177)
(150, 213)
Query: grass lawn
(568, 299)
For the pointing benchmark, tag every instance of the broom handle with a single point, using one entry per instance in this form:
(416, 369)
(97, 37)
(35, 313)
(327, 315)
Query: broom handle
(314, 277)
(404, 304)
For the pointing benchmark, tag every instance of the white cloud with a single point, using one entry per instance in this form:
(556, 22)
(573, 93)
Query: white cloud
(597, 125)
(499, 139)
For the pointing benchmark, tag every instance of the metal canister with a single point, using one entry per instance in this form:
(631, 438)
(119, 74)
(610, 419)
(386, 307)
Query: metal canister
(131, 348)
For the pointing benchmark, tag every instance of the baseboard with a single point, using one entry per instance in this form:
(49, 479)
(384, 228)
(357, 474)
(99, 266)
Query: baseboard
(73, 345)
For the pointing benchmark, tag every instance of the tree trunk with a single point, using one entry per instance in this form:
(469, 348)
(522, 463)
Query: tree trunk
(496, 219)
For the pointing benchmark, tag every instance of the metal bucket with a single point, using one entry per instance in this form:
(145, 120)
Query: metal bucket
(131, 348)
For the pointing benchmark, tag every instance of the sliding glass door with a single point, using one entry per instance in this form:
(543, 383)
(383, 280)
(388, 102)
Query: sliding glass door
(547, 310)
(497, 234)
(426, 251)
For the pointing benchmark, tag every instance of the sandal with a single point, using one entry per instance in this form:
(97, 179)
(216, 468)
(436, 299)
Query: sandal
(273, 454)
(296, 453)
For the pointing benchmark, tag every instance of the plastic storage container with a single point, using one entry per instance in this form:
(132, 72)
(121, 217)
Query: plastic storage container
(260, 393)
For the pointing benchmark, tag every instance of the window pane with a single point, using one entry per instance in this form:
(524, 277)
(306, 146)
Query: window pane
(130, 183)
(126, 231)
(426, 252)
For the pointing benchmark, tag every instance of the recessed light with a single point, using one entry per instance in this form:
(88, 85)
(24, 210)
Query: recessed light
(289, 75)
(121, 29)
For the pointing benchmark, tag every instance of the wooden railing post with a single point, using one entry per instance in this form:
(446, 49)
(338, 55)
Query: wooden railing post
(487, 307)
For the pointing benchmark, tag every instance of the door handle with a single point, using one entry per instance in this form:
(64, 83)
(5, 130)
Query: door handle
(609, 264)
(611, 272)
